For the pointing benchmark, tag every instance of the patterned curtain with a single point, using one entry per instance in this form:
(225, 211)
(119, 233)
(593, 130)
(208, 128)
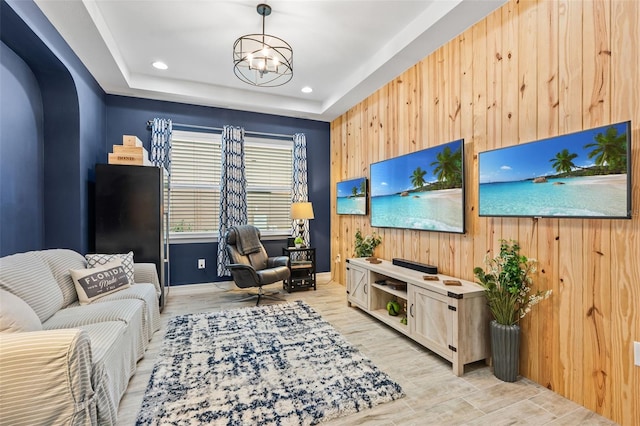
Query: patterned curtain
(233, 190)
(161, 130)
(299, 190)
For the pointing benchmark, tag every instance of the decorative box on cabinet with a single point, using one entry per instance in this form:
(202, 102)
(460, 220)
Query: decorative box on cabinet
(451, 321)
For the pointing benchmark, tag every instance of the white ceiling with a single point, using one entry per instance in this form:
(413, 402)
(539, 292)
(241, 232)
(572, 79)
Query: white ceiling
(345, 50)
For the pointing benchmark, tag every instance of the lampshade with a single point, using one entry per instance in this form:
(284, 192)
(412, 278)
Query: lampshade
(262, 59)
(303, 210)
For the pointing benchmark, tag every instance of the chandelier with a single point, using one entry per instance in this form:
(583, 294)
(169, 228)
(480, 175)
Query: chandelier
(262, 59)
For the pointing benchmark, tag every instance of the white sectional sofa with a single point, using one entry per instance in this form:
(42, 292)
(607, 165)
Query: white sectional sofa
(62, 363)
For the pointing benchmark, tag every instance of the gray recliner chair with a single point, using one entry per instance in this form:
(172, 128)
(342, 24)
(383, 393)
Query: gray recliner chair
(250, 265)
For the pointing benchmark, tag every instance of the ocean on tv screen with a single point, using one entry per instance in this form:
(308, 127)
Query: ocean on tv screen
(582, 174)
(422, 190)
(431, 211)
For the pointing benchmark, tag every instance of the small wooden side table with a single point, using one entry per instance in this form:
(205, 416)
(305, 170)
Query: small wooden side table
(302, 265)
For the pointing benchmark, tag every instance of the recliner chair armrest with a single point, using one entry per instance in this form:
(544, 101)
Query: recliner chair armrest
(243, 273)
(272, 262)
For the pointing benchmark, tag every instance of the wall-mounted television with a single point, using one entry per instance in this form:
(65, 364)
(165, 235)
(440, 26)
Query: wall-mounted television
(352, 196)
(579, 175)
(423, 190)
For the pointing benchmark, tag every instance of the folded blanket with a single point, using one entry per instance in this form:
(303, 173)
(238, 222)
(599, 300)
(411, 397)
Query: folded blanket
(247, 239)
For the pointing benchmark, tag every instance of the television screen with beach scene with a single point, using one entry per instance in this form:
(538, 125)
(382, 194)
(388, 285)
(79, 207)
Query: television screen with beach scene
(423, 190)
(352, 196)
(586, 174)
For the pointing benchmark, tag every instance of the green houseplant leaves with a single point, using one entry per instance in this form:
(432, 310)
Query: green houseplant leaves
(365, 245)
(507, 282)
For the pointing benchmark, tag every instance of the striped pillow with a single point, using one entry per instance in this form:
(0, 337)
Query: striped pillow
(95, 260)
(28, 277)
(16, 315)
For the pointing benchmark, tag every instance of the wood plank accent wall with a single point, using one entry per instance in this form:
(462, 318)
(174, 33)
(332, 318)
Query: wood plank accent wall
(530, 70)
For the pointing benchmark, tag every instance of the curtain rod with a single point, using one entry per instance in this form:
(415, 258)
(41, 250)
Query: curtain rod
(219, 129)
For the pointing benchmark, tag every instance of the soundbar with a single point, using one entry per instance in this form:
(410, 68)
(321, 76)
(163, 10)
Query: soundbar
(416, 266)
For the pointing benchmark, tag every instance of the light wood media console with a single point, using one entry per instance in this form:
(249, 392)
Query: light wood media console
(450, 320)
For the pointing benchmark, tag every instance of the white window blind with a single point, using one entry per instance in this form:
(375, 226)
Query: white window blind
(195, 183)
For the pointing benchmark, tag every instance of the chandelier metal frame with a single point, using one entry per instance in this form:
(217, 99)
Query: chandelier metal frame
(263, 60)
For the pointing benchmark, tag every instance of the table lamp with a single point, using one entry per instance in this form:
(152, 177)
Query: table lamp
(300, 212)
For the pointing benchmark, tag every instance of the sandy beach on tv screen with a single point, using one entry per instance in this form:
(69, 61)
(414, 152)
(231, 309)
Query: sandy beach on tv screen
(452, 194)
(600, 180)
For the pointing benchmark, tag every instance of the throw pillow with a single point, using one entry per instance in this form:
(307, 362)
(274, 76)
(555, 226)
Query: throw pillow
(94, 283)
(95, 260)
(16, 315)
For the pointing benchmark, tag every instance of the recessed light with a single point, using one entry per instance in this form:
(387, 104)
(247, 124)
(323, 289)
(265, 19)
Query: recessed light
(307, 89)
(160, 65)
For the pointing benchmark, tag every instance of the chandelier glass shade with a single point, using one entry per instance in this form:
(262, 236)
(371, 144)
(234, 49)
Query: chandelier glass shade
(262, 59)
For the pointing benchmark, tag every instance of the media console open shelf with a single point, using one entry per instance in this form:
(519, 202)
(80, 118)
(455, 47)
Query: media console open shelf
(452, 321)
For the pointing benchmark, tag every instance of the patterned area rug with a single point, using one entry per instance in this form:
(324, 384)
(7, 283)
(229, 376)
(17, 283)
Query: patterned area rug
(269, 365)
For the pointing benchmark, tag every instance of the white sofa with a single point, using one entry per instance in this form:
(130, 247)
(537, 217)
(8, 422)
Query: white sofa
(61, 362)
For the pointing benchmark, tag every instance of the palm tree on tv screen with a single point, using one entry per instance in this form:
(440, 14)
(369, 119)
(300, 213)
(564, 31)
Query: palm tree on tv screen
(610, 150)
(417, 178)
(563, 161)
(448, 166)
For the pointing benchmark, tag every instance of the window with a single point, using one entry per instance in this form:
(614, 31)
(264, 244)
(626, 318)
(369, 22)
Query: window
(195, 184)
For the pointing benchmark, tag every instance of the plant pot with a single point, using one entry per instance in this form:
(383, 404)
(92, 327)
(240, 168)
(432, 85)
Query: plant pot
(505, 350)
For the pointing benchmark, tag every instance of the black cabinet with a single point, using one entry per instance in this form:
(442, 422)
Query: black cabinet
(132, 215)
(302, 265)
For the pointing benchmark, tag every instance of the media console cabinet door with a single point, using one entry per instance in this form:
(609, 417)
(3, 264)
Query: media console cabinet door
(358, 286)
(431, 322)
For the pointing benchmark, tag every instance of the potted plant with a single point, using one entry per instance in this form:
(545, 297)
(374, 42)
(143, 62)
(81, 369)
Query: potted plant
(507, 282)
(366, 245)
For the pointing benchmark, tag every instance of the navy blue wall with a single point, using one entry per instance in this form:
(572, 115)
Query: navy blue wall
(72, 127)
(21, 203)
(129, 116)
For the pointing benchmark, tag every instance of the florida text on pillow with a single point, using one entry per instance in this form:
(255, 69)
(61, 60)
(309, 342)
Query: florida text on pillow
(93, 283)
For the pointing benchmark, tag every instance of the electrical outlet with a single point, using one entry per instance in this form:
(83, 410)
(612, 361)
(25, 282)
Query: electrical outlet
(636, 350)
(201, 264)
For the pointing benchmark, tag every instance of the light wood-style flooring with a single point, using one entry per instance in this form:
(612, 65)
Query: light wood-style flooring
(434, 395)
